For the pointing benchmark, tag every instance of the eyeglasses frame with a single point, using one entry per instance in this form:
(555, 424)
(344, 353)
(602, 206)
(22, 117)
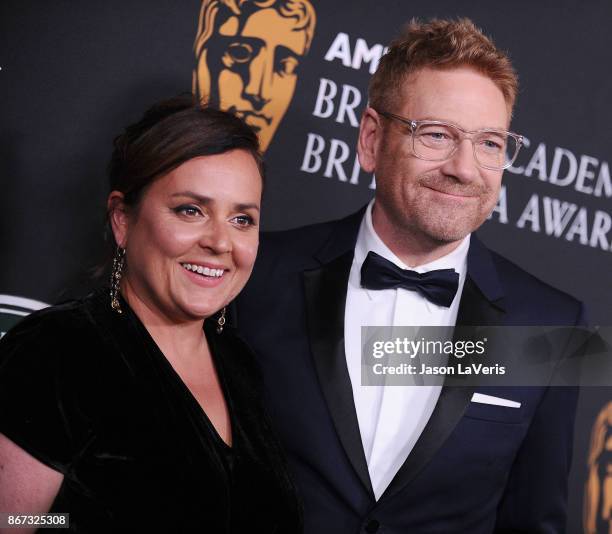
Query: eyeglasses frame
(414, 124)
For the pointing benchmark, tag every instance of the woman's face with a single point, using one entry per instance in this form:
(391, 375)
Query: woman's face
(192, 241)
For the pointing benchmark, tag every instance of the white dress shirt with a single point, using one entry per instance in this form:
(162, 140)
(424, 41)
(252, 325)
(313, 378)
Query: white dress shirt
(391, 418)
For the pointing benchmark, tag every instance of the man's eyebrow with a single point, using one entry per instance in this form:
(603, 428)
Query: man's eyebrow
(204, 200)
(437, 119)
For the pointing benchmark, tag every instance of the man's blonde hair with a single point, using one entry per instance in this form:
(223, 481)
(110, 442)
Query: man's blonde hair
(440, 44)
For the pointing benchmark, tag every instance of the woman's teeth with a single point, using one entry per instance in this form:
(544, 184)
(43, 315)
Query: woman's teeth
(205, 271)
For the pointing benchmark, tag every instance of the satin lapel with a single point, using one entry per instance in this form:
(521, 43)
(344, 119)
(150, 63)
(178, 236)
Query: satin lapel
(479, 306)
(325, 292)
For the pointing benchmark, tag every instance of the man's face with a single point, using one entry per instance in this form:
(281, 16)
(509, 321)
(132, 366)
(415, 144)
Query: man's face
(436, 202)
(252, 72)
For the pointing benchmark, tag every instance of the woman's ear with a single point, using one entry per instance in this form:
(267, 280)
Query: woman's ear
(118, 217)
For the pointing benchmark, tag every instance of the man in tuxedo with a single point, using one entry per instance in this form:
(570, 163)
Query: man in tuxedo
(430, 458)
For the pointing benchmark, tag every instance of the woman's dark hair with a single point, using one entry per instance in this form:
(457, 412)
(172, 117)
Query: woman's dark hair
(169, 134)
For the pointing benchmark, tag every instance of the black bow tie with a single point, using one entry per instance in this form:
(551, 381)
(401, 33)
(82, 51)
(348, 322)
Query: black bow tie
(438, 286)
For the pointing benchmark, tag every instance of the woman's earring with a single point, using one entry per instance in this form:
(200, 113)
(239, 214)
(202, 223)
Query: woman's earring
(221, 321)
(115, 280)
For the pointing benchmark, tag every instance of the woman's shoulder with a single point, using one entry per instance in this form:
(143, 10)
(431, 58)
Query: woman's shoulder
(50, 370)
(60, 315)
(54, 332)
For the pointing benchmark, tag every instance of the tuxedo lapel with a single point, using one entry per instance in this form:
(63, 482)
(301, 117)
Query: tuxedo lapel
(325, 293)
(481, 305)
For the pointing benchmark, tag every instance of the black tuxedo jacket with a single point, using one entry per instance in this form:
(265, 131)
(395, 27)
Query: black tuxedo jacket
(476, 468)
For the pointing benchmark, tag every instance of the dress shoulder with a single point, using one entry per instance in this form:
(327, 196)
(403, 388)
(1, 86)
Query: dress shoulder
(43, 372)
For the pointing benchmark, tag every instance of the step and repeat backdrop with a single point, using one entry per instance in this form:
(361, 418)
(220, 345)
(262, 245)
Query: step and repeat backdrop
(73, 74)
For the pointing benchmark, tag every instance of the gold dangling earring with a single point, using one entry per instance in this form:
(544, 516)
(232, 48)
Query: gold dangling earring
(115, 280)
(221, 321)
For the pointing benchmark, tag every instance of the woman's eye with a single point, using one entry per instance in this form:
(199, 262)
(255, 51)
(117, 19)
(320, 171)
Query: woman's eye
(189, 211)
(244, 220)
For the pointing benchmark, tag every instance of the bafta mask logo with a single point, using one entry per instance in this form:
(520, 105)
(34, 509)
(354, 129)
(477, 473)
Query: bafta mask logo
(598, 494)
(248, 53)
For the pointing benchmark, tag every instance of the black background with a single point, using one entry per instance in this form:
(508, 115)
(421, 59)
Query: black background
(73, 74)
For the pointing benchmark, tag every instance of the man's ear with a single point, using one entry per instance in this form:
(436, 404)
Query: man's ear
(118, 217)
(370, 133)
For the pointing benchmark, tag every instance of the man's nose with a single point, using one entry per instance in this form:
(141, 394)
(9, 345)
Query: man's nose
(462, 164)
(261, 71)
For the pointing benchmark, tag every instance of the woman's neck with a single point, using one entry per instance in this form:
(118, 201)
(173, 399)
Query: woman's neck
(177, 339)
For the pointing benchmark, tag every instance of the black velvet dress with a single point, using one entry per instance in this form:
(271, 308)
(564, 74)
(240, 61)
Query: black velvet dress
(87, 392)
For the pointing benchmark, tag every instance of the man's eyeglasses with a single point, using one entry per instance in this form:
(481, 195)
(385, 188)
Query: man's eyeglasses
(437, 141)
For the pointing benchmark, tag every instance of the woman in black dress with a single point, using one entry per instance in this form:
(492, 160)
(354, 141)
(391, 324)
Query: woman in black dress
(139, 411)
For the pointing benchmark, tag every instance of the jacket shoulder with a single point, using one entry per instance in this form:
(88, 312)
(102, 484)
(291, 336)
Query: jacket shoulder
(531, 296)
(302, 241)
(284, 256)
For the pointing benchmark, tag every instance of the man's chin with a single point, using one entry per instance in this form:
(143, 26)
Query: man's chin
(446, 226)
(450, 231)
